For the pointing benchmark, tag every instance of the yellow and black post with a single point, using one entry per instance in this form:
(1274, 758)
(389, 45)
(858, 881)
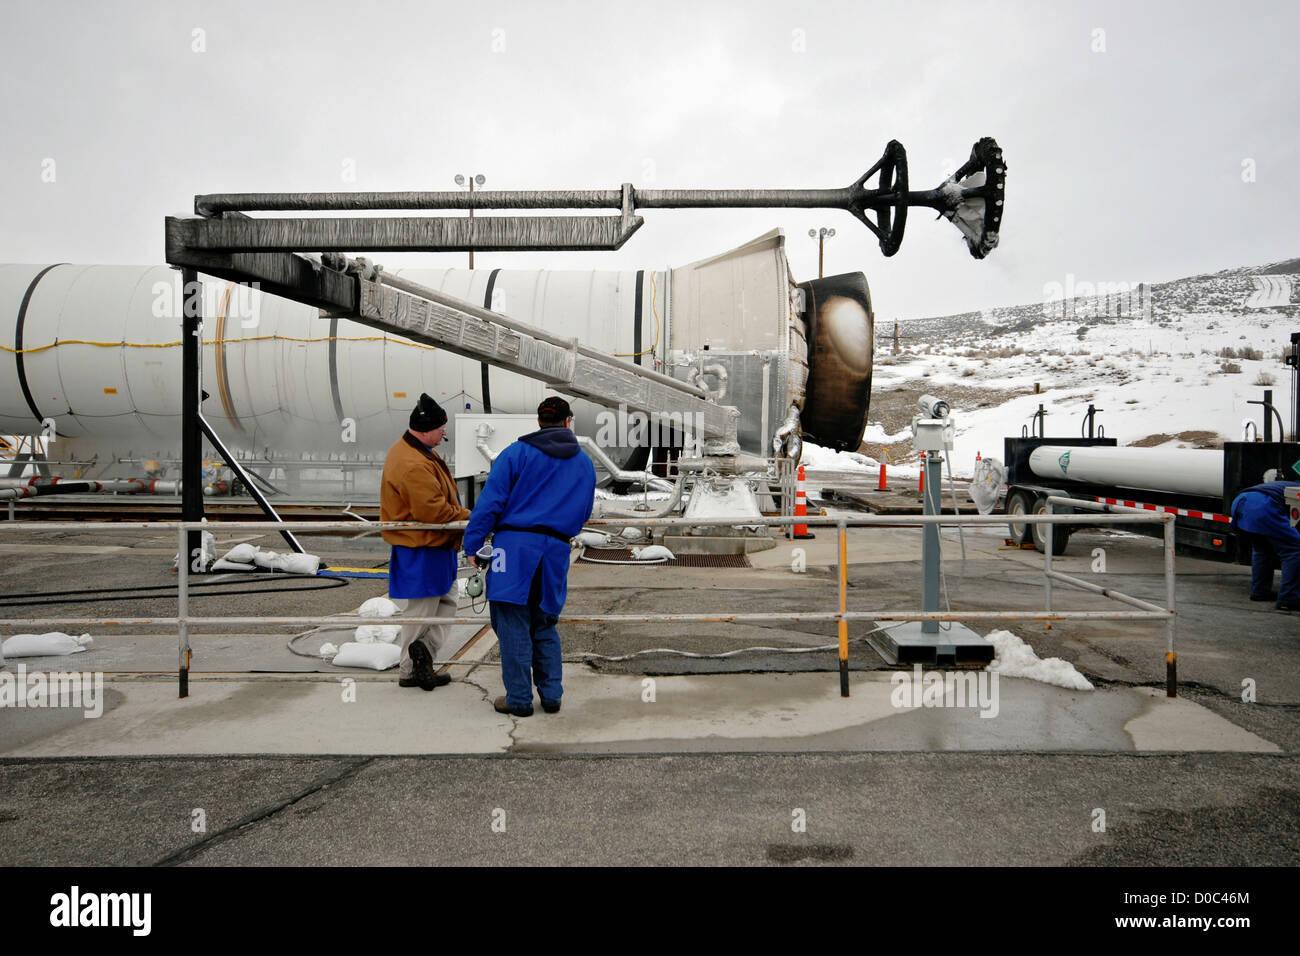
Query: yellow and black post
(844, 625)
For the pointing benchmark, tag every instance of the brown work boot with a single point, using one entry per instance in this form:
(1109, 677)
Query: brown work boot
(501, 707)
(422, 673)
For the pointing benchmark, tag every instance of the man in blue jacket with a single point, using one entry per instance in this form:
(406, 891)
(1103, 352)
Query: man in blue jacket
(1261, 512)
(538, 495)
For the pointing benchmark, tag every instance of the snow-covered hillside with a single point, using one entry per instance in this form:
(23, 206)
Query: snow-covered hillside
(1173, 363)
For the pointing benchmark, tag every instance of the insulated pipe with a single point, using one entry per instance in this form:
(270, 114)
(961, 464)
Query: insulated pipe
(480, 442)
(12, 488)
(1177, 470)
(620, 474)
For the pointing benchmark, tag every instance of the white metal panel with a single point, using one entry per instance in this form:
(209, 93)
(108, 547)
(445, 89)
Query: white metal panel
(505, 430)
(736, 301)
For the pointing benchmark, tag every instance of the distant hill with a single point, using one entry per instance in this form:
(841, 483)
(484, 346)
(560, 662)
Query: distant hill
(1273, 288)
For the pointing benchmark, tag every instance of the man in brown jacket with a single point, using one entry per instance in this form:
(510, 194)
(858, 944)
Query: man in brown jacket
(418, 486)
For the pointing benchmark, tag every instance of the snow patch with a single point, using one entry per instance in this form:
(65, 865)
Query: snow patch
(1015, 658)
(817, 458)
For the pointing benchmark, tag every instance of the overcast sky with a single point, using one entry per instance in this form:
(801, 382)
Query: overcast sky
(1129, 129)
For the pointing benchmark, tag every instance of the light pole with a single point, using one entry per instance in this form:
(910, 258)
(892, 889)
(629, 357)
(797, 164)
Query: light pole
(821, 235)
(471, 181)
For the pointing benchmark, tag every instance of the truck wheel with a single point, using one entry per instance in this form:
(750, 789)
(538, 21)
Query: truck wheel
(1018, 505)
(1060, 532)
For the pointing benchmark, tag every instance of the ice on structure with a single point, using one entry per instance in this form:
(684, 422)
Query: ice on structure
(378, 633)
(379, 657)
(1015, 658)
(378, 607)
(328, 650)
(49, 644)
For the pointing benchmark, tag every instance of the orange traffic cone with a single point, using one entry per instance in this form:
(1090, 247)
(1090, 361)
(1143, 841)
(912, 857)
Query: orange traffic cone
(977, 456)
(801, 508)
(883, 486)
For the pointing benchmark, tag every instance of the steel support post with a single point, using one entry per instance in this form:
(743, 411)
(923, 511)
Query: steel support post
(191, 386)
(1171, 653)
(182, 613)
(930, 547)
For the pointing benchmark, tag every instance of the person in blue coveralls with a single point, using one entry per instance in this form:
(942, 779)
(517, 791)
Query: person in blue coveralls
(417, 486)
(538, 495)
(1261, 512)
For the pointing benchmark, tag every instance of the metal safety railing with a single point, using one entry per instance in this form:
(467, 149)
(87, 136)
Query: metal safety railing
(1143, 610)
(1050, 574)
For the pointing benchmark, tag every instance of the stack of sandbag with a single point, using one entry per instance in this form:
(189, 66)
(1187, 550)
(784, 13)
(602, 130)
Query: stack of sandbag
(249, 557)
(373, 645)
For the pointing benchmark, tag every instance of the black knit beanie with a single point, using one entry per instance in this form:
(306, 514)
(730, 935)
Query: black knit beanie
(427, 415)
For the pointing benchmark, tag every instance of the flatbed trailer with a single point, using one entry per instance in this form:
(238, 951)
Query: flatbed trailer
(1202, 525)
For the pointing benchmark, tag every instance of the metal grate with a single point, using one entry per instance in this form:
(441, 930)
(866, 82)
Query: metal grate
(681, 561)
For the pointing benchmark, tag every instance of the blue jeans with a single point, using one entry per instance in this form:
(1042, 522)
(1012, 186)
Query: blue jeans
(1268, 553)
(530, 648)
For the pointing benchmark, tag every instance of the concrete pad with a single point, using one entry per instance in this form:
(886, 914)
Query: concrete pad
(1179, 724)
(304, 716)
(804, 712)
(318, 714)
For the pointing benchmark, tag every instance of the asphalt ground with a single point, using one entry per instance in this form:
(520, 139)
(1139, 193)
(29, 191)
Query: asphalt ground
(913, 809)
(896, 808)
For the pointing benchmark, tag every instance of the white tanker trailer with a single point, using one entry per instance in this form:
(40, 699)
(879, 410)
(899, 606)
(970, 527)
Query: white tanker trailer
(1196, 486)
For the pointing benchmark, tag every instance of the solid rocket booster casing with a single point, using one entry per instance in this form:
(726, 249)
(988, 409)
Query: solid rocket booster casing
(94, 355)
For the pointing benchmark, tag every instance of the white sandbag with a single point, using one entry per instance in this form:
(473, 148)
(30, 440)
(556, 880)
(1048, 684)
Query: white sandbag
(49, 644)
(242, 553)
(378, 633)
(594, 539)
(291, 562)
(300, 563)
(653, 552)
(633, 534)
(378, 607)
(224, 564)
(379, 657)
(328, 650)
